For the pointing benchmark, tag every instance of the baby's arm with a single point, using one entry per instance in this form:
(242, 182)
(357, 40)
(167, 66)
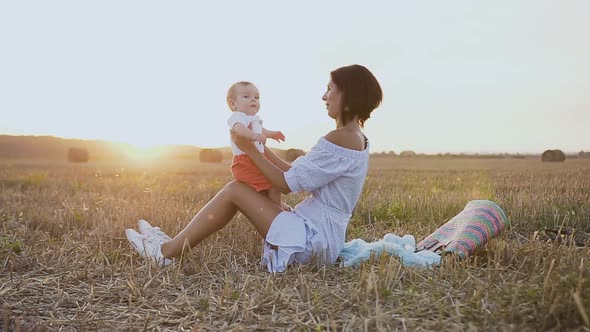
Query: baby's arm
(276, 135)
(244, 132)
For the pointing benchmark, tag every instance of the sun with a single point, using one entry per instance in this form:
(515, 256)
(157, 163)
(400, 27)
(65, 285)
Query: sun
(144, 154)
(141, 153)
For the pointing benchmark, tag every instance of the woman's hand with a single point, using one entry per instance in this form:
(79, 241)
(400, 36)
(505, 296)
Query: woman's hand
(246, 145)
(259, 138)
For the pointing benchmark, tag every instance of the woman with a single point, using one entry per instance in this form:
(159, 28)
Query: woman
(333, 172)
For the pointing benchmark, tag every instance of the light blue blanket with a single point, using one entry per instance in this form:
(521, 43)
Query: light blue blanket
(358, 251)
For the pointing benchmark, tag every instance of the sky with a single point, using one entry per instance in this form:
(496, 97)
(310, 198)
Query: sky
(457, 76)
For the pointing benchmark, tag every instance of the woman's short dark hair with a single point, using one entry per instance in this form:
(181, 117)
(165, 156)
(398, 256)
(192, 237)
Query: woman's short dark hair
(361, 93)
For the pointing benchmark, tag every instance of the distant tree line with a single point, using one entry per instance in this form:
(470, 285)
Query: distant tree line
(49, 147)
(554, 154)
(76, 150)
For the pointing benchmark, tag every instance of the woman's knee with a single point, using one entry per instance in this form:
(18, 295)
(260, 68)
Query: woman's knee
(233, 188)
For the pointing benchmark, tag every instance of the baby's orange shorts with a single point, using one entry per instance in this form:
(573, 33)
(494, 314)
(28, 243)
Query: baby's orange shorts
(244, 170)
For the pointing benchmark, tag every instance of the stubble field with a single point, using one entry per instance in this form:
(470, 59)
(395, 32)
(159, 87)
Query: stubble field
(65, 263)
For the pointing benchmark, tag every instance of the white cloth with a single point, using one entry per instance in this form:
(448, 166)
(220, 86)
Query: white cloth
(317, 226)
(357, 251)
(250, 121)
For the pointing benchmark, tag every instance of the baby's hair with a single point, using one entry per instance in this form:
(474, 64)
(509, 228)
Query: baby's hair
(231, 92)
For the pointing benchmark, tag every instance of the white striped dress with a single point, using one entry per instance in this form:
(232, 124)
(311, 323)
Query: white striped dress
(334, 176)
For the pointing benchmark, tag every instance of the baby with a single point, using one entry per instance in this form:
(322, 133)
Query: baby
(243, 99)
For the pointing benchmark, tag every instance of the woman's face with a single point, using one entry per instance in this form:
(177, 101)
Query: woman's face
(333, 99)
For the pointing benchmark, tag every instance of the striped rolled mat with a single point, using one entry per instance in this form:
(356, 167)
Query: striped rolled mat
(471, 229)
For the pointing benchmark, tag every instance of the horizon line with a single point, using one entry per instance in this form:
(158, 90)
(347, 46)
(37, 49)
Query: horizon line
(569, 152)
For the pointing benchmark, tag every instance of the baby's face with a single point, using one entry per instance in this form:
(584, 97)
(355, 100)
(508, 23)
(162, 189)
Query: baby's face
(246, 99)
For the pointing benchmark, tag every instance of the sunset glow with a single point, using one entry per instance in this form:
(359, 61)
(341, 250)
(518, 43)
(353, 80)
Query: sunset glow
(454, 78)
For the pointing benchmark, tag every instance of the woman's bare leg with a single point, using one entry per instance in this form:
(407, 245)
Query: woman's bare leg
(219, 211)
(274, 195)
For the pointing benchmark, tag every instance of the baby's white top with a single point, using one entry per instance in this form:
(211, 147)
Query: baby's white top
(251, 121)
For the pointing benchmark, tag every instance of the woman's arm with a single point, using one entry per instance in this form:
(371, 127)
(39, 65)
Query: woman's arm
(270, 155)
(280, 163)
(273, 173)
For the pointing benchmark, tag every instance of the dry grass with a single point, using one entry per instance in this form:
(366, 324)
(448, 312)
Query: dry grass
(65, 264)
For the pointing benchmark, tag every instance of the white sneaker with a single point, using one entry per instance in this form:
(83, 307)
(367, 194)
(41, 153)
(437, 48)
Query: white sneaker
(149, 247)
(146, 229)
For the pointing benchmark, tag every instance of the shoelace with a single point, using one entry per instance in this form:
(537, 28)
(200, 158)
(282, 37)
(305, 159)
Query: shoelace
(152, 246)
(153, 240)
(157, 232)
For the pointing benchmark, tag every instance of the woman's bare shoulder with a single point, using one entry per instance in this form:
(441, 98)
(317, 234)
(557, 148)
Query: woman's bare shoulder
(346, 139)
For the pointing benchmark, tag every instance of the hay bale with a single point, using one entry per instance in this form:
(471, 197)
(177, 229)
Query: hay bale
(407, 153)
(553, 155)
(293, 154)
(78, 155)
(210, 156)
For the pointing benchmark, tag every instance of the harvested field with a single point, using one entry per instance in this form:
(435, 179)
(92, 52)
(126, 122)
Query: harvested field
(65, 263)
